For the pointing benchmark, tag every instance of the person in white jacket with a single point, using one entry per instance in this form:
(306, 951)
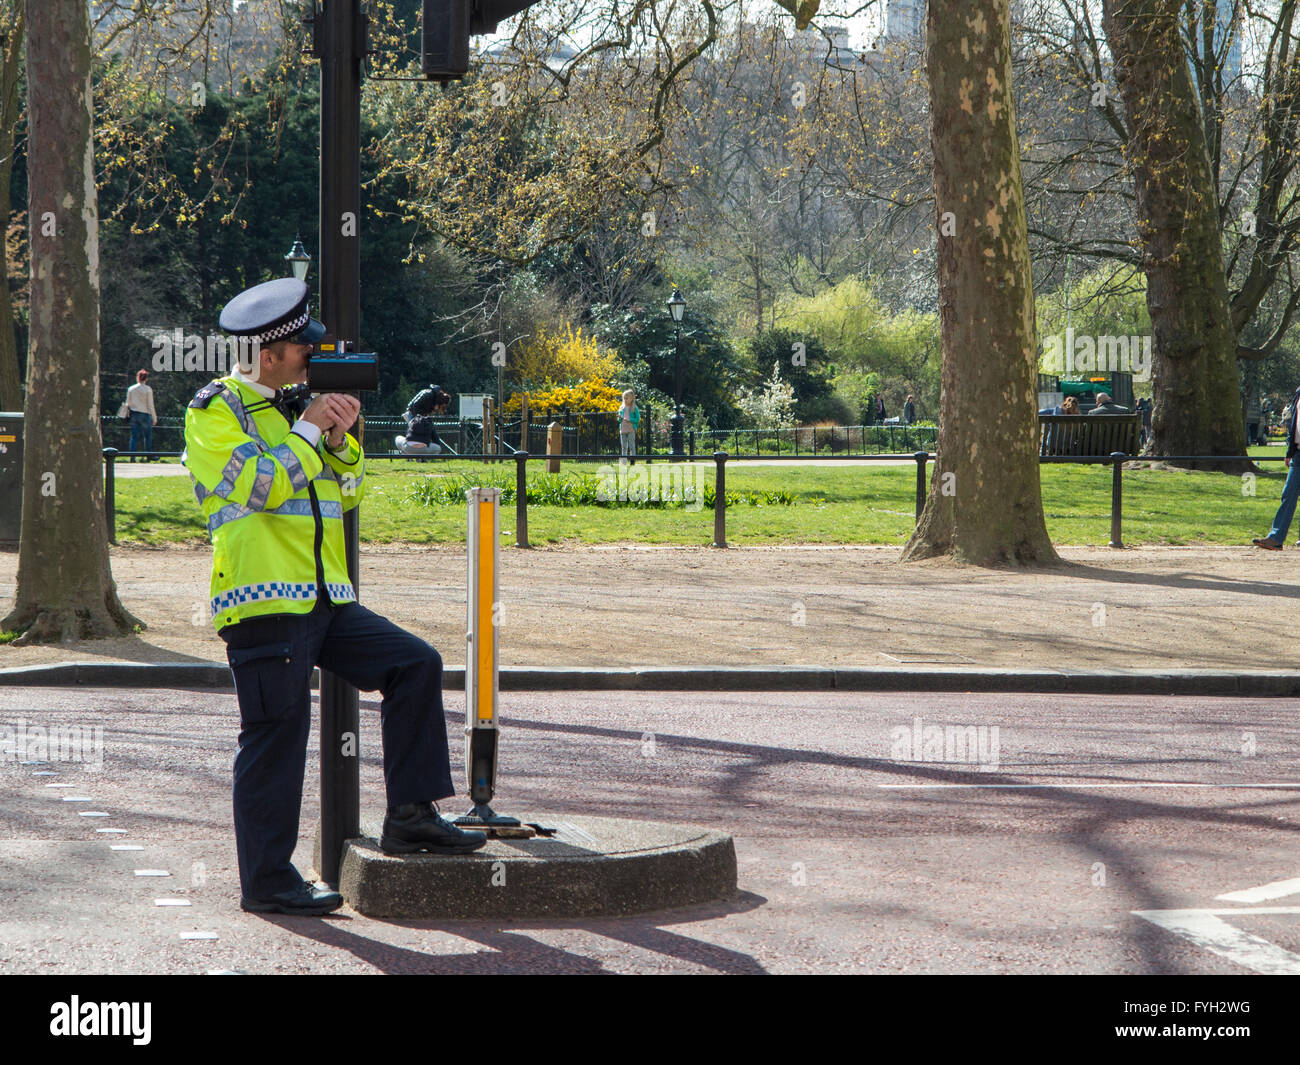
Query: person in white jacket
(139, 402)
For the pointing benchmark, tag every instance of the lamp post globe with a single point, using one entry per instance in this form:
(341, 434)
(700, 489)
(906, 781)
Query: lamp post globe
(298, 259)
(677, 307)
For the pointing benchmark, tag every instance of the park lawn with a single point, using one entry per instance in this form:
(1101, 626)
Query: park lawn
(834, 504)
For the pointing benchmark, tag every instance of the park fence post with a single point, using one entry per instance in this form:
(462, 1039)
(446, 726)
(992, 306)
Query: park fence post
(922, 457)
(1117, 500)
(521, 499)
(554, 441)
(110, 493)
(720, 500)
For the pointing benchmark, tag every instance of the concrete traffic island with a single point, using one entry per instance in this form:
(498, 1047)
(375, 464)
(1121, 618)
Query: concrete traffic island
(591, 867)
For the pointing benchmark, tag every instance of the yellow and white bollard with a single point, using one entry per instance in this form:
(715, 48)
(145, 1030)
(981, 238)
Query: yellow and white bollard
(481, 729)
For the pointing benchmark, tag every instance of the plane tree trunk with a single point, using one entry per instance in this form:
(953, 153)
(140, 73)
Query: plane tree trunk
(985, 504)
(1194, 342)
(65, 584)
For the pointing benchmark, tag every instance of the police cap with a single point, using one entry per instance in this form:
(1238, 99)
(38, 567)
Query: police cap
(273, 310)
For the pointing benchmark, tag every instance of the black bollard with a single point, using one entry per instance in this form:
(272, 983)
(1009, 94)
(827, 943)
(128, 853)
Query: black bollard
(922, 457)
(521, 499)
(720, 500)
(1117, 500)
(110, 492)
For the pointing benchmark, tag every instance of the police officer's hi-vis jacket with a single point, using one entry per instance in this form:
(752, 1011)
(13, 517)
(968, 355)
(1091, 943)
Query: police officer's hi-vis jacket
(273, 503)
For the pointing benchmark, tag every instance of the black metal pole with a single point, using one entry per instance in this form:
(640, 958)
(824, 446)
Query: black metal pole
(521, 499)
(1117, 500)
(340, 41)
(110, 493)
(678, 421)
(922, 458)
(720, 500)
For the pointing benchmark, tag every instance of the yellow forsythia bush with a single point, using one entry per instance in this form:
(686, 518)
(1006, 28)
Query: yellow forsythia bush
(550, 360)
(593, 395)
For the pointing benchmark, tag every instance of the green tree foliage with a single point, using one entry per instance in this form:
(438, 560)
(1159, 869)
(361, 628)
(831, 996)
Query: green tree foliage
(178, 270)
(868, 348)
(1109, 300)
(807, 369)
(643, 337)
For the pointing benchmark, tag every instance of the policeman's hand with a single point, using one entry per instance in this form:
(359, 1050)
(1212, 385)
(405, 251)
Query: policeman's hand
(346, 409)
(331, 409)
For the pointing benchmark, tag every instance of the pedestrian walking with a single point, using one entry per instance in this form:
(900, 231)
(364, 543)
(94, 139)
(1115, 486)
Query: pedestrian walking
(1290, 489)
(139, 405)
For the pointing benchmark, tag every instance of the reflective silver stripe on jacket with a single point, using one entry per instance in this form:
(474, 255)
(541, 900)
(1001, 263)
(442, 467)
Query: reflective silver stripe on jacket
(292, 465)
(329, 508)
(245, 419)
(234, 467)
(262, 484)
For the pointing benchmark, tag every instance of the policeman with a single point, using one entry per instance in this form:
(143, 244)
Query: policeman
(274, 475)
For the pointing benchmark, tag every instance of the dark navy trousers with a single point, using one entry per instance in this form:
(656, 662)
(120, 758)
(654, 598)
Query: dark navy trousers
(271, 659)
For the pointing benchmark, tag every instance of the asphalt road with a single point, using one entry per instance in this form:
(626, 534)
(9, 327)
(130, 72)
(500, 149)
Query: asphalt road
(862, 846)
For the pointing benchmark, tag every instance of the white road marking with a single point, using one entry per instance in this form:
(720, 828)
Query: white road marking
(172, 902)
(77, 798)
(125, 847)
(60, 785)
(1078, 787)
(94, 813)
(1205, 929)
(568, 828)
(152, 872)
(112, 831)
(1278, 889)
(45, 773)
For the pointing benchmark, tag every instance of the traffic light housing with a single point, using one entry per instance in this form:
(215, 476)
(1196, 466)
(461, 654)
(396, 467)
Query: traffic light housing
(448, 26)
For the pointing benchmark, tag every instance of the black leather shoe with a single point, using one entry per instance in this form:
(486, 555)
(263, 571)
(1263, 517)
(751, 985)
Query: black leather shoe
(419, 827)
(305, 901)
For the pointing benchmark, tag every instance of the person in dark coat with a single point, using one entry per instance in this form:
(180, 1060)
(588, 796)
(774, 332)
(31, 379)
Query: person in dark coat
(1290, 490)
(1106, 405)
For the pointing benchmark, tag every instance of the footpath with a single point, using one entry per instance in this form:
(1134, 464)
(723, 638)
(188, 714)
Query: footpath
(762, 617)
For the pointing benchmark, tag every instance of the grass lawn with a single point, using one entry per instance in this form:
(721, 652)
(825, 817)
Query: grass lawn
(833, 504)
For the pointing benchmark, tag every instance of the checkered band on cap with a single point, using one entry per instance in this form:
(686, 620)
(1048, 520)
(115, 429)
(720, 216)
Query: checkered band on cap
(288, 329)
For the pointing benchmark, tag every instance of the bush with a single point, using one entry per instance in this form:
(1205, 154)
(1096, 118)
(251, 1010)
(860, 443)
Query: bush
(593, 395)
(555, 490)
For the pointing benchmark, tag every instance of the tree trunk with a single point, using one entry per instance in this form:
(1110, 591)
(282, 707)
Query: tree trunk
(985, 504)
(65, 584)
(1194, 343)
(11, 394)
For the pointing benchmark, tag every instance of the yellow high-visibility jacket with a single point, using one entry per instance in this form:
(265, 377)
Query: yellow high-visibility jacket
(274, 505)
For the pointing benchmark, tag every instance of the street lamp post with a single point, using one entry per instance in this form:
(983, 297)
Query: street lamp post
(298, 259)
(677, 307)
